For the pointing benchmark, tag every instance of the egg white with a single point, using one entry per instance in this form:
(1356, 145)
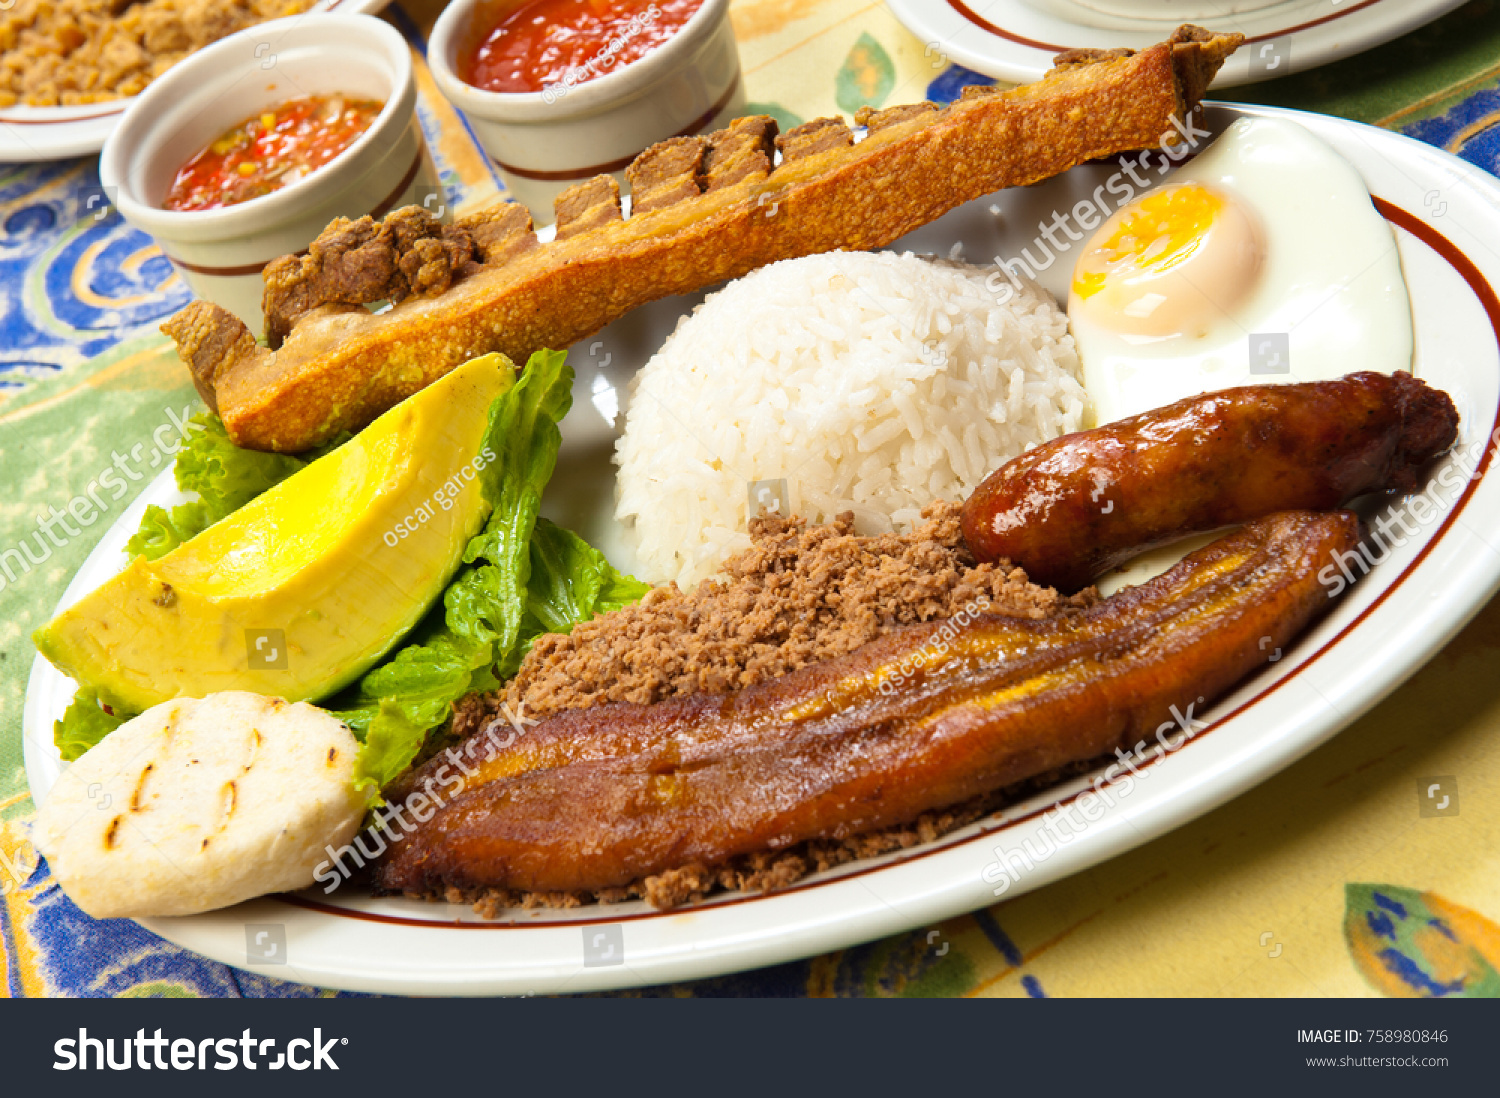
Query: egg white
(1331, 281)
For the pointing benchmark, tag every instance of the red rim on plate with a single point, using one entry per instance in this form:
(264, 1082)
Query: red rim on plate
(1010, 36)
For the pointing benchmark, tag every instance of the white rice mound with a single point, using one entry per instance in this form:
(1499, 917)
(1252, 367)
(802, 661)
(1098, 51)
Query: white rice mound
(871, 382)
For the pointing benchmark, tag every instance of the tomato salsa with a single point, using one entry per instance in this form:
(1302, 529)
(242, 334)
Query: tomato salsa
(545, 44)
(271, 150)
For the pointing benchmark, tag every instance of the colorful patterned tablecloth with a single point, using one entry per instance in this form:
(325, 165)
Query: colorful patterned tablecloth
(1325, 880)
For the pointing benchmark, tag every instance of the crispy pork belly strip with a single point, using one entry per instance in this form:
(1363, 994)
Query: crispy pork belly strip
(340, 367)
(929, 716)
(1072, 508)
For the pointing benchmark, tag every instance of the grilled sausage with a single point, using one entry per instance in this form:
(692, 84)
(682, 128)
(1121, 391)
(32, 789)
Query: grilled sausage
(1082, 504)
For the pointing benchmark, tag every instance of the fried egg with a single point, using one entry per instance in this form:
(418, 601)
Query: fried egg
(1261, 260)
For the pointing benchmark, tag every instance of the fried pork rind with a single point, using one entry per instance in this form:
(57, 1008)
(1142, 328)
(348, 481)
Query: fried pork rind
(340, 367)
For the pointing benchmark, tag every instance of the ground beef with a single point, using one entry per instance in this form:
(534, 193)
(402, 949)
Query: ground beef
(799, 595)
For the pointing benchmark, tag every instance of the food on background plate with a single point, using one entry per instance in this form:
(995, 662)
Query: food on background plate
(1074, 507)
(270, 150)
(1266, 235)
(542, 44)
(64, 52)
(601, 800)
(705, 209)
(199, 804)
(305, 587)
(871, 382)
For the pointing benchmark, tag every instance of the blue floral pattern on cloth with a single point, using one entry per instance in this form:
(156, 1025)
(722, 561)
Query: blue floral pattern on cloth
(951, 82)
(1470, 130)
(110, 958)
(75, 280)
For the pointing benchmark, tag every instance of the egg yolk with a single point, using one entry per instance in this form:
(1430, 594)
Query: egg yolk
(1175, 262)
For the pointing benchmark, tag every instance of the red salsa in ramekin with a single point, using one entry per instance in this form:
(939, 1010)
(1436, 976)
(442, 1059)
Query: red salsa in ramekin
(545, 44)
(270, 150)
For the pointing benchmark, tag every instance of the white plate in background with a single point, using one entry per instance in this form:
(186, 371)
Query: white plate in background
(55, 133)
(1014, 40)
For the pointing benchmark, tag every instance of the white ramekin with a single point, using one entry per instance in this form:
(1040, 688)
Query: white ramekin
(221, 252)
(544, 142)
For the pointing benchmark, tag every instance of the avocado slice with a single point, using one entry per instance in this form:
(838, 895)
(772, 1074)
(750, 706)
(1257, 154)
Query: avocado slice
(308, 585)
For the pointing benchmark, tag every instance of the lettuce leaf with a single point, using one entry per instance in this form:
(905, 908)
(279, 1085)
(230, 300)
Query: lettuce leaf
(521, 577)
(571, 581)
(401, 701)
(487, 603)
(84, 723)
(225, 479)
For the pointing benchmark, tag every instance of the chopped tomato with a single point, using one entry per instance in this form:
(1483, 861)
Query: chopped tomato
(271, 150)
(547, 43)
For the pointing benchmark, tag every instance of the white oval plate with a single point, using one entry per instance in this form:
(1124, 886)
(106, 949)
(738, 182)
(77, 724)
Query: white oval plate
(55, 133)
(1447, 215)
(1012, 40)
